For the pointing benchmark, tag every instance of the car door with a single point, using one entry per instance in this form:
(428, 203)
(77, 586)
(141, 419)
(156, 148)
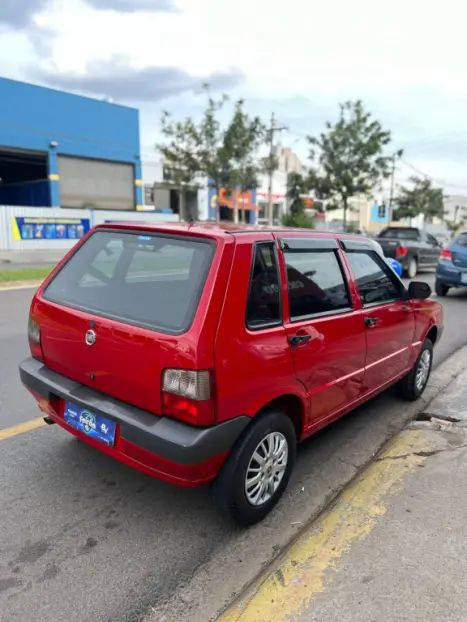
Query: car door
(388, 318)
(326, 336)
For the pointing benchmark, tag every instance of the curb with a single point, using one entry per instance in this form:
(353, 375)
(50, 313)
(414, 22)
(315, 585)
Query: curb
(446, 373)
(14, 285)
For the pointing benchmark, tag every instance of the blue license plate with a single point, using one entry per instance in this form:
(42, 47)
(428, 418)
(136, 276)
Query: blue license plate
(89, 423)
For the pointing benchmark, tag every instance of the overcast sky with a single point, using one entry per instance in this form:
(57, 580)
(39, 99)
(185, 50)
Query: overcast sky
(406, 59)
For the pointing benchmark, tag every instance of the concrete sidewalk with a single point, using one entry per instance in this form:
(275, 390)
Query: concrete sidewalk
(393, 546)
(30, 259)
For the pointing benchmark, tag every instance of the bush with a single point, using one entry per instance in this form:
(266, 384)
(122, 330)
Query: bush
(300, 221)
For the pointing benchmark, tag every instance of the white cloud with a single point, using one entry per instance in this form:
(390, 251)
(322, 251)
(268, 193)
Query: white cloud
(405, 59)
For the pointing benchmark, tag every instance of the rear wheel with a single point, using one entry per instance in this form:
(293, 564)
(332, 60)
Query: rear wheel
(441, 289)
(258, 469)
(412, 386)
(412, 268)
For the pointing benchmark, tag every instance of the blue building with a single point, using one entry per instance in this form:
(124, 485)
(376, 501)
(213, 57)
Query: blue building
(64, 150)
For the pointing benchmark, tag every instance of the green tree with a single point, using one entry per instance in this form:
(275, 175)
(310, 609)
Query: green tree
(182, 152)
(420, 198)
(215, 160)
(243, 137)
(348, 159)
(297, 185)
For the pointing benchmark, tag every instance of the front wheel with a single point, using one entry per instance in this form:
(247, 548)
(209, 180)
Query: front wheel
(441, 289)
(412, 386)
(258, 469)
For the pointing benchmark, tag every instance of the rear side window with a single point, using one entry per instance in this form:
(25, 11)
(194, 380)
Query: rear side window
(376, 281)
(153, 281)
(315, 283)
(461, 239)
(264, 295)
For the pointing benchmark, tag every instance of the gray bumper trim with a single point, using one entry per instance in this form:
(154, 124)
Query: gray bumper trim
(167, 438)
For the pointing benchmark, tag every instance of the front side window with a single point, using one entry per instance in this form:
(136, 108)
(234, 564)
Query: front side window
(264, 295)
(315, 283)
(375, 280)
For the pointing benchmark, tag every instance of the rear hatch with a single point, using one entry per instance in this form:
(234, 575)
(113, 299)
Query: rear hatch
(389, 247)
(139, 294)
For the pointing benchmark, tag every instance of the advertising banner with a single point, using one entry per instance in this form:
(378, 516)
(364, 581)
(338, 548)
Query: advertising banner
(36, 228)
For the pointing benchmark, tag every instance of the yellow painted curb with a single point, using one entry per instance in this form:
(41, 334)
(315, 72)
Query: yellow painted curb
(304, 570)
(27, 426)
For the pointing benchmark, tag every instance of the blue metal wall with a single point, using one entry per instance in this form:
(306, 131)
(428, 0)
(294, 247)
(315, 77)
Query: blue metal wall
(32, 117)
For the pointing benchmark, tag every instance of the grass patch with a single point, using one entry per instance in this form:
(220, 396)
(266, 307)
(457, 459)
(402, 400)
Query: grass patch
(24, 274)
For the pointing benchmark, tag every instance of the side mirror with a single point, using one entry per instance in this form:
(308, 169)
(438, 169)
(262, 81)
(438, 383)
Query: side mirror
(419, 291)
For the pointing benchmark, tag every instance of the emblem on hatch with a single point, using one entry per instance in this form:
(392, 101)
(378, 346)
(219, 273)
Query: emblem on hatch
(90, 337)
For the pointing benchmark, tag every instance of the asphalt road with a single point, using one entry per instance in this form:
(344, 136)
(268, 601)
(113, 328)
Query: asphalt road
(86, 539)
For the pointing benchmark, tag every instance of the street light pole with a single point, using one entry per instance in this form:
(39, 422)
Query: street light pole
(272, 131)
(397, 154)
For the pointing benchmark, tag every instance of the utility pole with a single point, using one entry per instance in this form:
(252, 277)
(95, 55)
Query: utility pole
(272, 132)
(397, 154)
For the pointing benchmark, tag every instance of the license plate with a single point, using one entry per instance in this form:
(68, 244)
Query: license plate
(464, 277)
(94, 426)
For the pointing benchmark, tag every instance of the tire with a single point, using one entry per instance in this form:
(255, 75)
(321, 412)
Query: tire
(412, 268)
(230, 487)
(410, 387)
(441, 289)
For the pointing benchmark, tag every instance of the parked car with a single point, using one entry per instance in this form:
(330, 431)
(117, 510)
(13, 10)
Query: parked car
(204, 353)
(393, 263)
(413, 248)
(451, 270)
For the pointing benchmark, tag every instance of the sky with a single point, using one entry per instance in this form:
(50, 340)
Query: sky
(405, 59)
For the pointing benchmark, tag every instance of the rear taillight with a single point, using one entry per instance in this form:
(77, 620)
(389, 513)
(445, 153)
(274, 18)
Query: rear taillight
(401, 252)
(187, 395)
(445, 255)
(34, 338)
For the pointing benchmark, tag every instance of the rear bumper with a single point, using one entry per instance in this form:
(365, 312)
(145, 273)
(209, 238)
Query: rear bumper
(170, 450)
(448, 274)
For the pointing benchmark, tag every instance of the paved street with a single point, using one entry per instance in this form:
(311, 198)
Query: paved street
(84, 538)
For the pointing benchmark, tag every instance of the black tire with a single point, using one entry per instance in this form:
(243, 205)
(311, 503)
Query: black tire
(229, 487)
(441, 289)
(412, 268)
(408, 387)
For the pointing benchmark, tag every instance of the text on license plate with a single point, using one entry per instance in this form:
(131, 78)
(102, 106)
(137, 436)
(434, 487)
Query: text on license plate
(94, 426)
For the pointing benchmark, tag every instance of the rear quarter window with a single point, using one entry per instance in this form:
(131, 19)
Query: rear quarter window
(152, 280)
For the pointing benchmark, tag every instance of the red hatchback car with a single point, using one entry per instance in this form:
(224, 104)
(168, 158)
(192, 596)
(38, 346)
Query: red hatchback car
(204, 353)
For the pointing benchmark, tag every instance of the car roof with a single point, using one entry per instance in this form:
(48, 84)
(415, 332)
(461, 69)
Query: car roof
(216, 229)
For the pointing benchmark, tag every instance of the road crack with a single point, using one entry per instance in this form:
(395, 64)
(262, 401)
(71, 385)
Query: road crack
(422, 454)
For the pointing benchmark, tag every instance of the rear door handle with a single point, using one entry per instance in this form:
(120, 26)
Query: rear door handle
(370, 322)
(297, 340)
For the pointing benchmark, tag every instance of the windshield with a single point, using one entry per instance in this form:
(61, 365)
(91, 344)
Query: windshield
(150, 280)
(401, 234)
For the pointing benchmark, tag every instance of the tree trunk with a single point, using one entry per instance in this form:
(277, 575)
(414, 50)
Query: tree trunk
(345, 213)
(182, 205)
(218, 205)
(235, 206)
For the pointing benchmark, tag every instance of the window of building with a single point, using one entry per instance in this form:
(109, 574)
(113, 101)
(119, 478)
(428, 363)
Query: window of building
(316, 283)
(264, 296)
(375, 280)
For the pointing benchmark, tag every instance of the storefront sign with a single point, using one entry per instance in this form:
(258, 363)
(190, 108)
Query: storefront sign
(36, 228)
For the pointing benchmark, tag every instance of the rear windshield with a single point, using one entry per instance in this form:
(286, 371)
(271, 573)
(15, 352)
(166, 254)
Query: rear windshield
(401, 234)
(153, 281)
(461, 239)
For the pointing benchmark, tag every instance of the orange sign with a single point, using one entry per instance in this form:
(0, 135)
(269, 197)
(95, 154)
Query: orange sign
(242, 197)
